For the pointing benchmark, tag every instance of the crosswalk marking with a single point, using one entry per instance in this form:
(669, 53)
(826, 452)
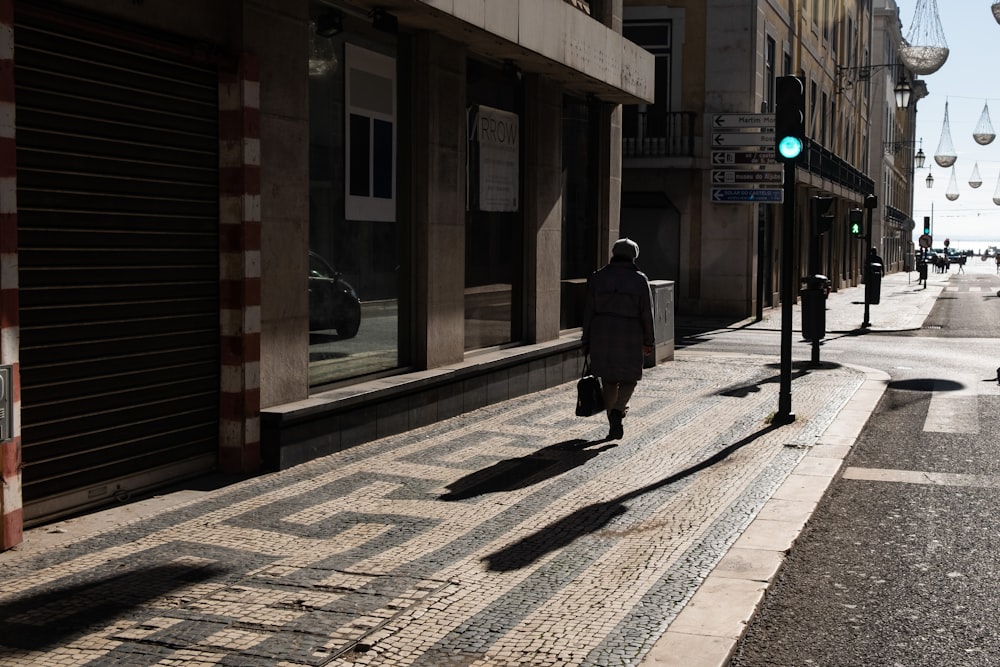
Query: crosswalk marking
(921, 477)
(954, 411)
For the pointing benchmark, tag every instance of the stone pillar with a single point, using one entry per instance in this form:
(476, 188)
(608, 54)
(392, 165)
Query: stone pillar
(609, 178)
(11, 514)
(439, 190)
(239, 248)
(542, 206)
(277, 34)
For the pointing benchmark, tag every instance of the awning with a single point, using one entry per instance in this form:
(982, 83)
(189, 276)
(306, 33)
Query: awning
(552, 38)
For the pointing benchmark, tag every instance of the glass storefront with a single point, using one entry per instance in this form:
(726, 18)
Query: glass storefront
(494, 234)
(356, 311)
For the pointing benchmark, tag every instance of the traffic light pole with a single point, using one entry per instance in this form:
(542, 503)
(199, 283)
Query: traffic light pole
(789, 136)
(870, 204)
(785, 414)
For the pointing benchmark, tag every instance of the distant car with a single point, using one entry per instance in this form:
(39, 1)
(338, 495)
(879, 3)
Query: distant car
(333, 303)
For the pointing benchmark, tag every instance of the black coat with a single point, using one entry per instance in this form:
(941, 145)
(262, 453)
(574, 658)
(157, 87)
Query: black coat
(618, 320)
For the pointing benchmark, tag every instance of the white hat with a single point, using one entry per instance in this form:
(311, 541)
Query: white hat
(625, 248)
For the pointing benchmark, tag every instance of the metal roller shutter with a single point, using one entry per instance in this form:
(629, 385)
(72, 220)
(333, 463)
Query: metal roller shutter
(117, 190)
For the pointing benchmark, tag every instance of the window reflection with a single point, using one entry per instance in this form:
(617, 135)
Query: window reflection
(354, 258)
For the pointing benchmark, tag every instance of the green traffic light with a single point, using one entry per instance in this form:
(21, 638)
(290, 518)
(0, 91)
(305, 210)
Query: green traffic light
(790, 147)
(855, 229)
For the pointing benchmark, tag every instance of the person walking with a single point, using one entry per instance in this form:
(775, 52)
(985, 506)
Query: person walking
(618, 329)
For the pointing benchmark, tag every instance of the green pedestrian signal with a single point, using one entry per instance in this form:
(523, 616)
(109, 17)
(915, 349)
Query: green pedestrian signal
(855, 223)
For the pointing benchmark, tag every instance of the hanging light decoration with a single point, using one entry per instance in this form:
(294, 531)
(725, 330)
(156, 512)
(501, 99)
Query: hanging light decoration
(996, 193)
(975, 180)
(945, 155)
(952, 192)
(984, 134)
(322, 55)
(920, 158)
(924, 50)
(996, 11)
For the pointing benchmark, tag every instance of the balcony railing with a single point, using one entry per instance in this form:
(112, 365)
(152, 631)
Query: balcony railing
(657, 133)
(895, 214)
(822, 162)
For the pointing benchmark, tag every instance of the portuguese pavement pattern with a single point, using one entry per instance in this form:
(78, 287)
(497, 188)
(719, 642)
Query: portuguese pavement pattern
(512, 535)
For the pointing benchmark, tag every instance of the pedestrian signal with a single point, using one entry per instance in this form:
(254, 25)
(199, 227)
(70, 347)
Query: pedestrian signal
(822, 214)
(855, 223)
(927, 224)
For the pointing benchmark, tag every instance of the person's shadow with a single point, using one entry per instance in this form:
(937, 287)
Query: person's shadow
(594, 517)
(519, 473)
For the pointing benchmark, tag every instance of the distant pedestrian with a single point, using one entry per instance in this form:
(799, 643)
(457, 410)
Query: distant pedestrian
(961, 264)
(618, 329)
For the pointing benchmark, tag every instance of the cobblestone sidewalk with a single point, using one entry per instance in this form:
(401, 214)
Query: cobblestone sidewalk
(513, 535)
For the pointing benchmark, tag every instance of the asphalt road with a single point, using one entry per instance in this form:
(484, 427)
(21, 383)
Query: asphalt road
(900, 564)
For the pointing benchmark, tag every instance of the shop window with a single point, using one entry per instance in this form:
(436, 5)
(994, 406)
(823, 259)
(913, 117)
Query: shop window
(494, 246)
(356, 306)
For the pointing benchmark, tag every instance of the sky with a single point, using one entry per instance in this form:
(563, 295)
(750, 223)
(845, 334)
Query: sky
(969, 79)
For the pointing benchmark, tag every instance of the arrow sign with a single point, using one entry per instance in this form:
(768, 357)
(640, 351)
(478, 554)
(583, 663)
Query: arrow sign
(737, 120)
(762, 155)
(740, 139)
(744, 196)
(741, 176)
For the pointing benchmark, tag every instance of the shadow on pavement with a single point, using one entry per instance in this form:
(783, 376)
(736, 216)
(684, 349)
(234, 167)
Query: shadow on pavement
(47, 619)
(525, 471)
(594, 517)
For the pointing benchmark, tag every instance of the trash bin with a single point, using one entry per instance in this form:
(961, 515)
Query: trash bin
(873, 286)
(813, 294)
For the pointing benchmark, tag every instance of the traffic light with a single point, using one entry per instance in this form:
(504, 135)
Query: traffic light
(789, 118)
(927, 224)
(822, 214)
(855, 220)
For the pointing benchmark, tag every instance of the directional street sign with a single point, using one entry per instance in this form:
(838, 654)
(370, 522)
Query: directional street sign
(737, 120)
(762, 155)
(740, 139)
(747, 176)
(747, 195)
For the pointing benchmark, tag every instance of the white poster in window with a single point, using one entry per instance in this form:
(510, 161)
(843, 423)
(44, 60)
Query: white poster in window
(495, 135)
(370, 135)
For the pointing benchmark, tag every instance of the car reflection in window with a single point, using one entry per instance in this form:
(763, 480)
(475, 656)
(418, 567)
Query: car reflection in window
(333, 303)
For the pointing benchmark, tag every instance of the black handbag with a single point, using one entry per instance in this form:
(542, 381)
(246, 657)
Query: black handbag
(589, 393)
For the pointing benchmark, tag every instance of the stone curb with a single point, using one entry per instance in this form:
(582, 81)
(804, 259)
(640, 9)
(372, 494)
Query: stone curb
(706, 632)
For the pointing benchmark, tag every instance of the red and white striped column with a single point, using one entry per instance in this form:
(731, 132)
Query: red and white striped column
(11, 525)
(240, 239)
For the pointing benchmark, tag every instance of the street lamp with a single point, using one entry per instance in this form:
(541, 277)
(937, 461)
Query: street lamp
(903, 92)
(919, 157)
(848, 76)
(930, 180)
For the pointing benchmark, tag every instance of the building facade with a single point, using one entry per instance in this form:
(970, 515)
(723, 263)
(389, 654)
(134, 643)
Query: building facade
(240, 234)
(687, 178)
